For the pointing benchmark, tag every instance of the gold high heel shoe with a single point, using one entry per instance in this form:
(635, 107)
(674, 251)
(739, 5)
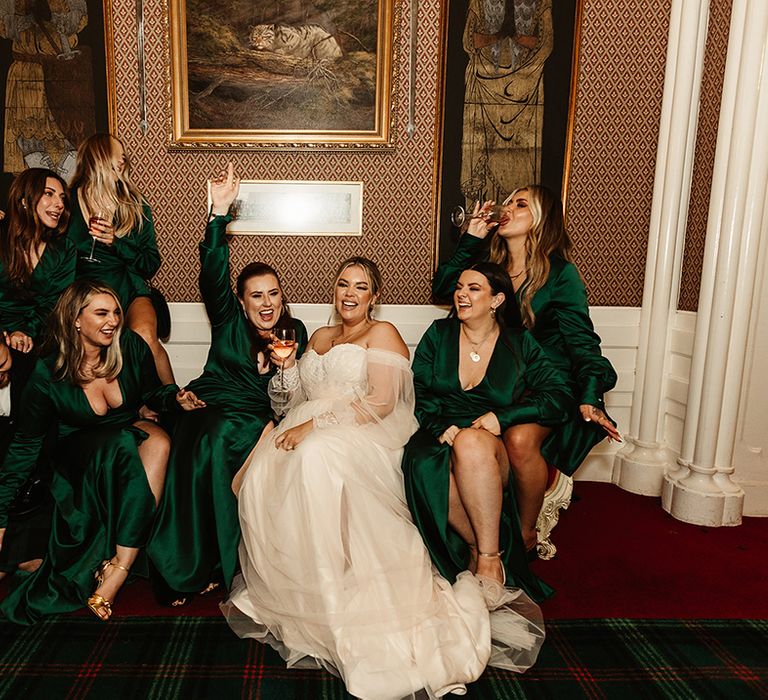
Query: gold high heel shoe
(96, 601)
(496, 555)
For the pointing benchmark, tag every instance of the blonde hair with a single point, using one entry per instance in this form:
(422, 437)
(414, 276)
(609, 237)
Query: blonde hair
(547, 236)
(66, 342)
(100, 187)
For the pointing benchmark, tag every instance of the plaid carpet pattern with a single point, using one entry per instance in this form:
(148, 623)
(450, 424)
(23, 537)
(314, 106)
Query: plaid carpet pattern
(198, 657)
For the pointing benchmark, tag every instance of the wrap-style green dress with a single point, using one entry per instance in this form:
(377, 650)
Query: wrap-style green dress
(197, 531)
(565, 332)
(520, 386)
(27, 309)
(126, 265)
(102, 497)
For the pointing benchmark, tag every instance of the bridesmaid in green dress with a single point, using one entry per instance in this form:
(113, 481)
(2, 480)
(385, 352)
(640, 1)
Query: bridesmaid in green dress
(110, 461)
(533, 246)
(195, 538)
(112, 224)
(37, 262)
(477, 373)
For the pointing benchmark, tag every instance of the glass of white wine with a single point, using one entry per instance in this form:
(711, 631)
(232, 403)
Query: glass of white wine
(496, 214)
(100, 217)
(282, 346)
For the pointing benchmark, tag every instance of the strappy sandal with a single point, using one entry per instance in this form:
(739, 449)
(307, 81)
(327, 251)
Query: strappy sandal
(97, 602)
(496, 555)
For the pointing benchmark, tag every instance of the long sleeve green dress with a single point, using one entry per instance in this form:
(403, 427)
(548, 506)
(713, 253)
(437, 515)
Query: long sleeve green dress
(520, 386)
(565, 332)
(197, 531)
(126, 265)
(102, 497)
(27, 309)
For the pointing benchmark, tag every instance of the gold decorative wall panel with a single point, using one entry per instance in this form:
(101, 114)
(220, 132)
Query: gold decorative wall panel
(703, 165)
(619, 99)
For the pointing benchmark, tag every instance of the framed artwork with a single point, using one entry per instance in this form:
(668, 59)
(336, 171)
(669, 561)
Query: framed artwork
(297, 208)
(53, 78)
(507, 102)
(281, 73)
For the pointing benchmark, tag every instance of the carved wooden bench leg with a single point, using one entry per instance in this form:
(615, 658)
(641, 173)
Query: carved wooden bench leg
(556, 497)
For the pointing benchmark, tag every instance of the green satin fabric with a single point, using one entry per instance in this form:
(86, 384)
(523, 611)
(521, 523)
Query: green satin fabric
(28, 310)
(520, 386)
(566, 334)
(126, 265)
(102, 497)
(197, 531)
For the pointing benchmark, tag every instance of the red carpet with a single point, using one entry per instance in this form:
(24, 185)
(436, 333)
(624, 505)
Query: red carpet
(619, 556)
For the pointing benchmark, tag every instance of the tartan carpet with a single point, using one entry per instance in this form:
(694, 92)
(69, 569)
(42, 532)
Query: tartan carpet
(165, 658)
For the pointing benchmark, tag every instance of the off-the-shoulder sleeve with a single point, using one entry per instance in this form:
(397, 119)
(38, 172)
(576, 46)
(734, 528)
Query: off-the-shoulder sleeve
(546, 399)
(219, 299)
(469, 251)
(139, 249)
(593, 372)
(428, 404)
(384, 405)
(37, 413)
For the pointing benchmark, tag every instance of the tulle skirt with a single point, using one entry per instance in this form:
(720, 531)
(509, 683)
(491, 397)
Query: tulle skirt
(335, 575)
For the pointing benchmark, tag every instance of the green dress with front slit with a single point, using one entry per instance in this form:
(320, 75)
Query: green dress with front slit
(565, 332)
(520, 386)
(197, 531)
(126, 265)
(101, 493)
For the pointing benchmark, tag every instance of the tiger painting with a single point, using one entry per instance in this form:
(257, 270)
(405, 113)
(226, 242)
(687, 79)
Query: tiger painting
(303, 41)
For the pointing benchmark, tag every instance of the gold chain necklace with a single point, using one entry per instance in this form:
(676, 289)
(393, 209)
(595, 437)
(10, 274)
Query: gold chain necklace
(474, 355)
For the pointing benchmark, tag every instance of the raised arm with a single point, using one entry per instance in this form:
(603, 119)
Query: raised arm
(220, 301)
(470, 249)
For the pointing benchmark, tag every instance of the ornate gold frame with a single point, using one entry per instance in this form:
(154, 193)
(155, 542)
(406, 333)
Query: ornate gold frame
(182, 137)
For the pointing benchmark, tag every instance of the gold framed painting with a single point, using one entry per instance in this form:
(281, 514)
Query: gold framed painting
(507, 102)
(281, 75)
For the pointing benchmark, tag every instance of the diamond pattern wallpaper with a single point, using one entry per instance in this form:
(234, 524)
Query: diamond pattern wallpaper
(620, 84)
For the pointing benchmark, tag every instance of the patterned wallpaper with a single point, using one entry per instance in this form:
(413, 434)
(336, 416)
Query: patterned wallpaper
(704, 162)
(618, 105)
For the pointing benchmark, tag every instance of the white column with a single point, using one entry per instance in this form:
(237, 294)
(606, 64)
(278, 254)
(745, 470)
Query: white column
(700, 490)
(640, 465)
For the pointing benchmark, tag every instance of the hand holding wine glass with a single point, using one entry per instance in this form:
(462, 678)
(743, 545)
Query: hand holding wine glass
(482, 218)
(101, 229)
(283, 346)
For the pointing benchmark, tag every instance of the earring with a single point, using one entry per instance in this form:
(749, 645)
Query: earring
(493, 311)
(77, 328)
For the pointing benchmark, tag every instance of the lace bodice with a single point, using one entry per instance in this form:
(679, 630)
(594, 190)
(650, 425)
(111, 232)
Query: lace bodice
(338, 373)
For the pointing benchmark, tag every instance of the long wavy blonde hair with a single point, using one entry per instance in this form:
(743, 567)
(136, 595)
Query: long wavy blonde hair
(102, 188)
(547, 236)
(66, 342)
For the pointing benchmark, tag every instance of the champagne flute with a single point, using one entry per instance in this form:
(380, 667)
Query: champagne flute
(99, 217)
(496, 214)
(282, 346)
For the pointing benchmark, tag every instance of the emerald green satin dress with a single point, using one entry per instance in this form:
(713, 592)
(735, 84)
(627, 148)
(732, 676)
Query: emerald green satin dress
(566, 334)
(27, 310)
(126, 265)
(197, 531)
(102, 497)
(520, 386)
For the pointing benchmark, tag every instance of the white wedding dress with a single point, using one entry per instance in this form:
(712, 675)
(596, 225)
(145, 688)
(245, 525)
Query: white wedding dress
(335, 574)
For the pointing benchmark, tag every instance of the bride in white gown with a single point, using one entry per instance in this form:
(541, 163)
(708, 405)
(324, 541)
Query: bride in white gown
(334, 573)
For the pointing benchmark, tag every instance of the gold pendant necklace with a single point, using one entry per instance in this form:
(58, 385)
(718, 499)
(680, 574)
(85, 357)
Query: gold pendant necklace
(473, 354)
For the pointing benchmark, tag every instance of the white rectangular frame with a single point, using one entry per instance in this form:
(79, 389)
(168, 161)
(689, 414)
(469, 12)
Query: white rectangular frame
(297, 208)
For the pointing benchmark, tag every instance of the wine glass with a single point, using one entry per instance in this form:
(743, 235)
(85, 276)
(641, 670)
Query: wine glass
(98, 217)
(496, 214)
(282, 346)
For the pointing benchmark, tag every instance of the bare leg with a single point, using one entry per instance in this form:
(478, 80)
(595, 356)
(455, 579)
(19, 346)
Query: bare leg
(114, 577)
(523, 445)
(31, 565)
(459, 520)
(480, 464)
(153, 453)
(141, 319)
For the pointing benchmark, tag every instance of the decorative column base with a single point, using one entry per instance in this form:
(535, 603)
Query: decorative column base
(640, 467)
(702, 497)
